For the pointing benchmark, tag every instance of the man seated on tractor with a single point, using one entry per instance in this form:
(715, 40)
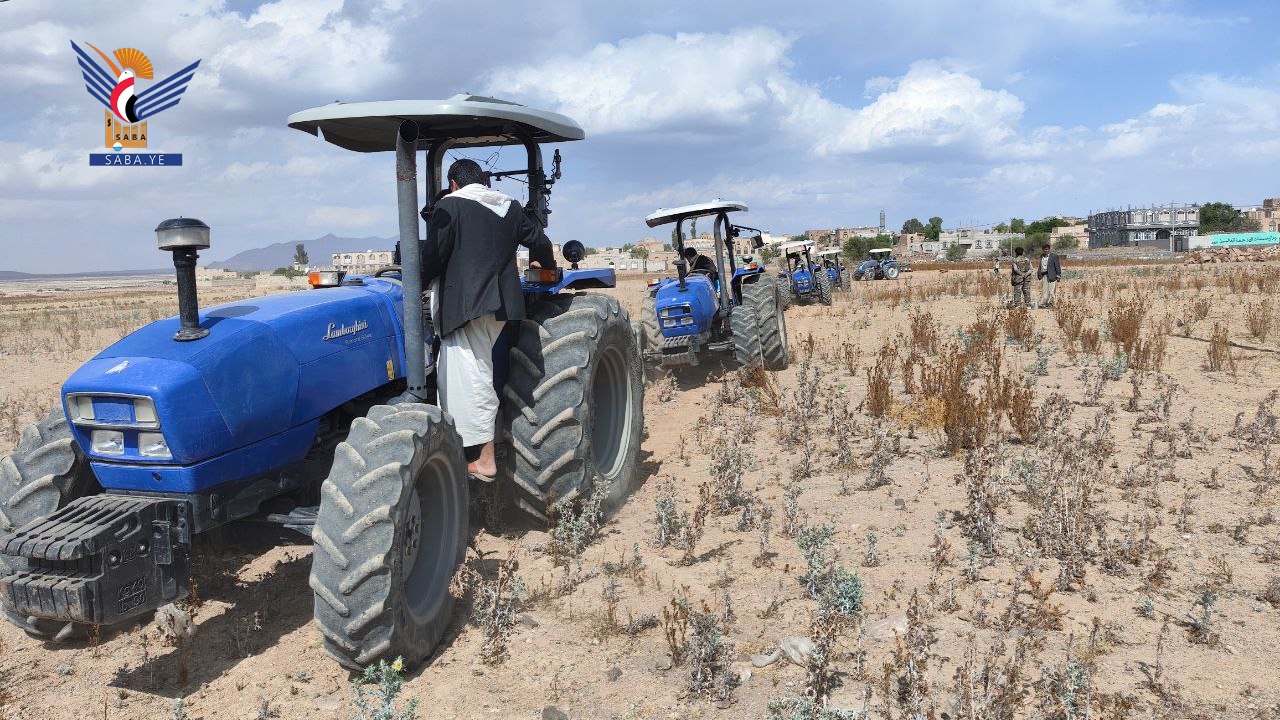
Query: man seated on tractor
(470, 251)
(700, 263)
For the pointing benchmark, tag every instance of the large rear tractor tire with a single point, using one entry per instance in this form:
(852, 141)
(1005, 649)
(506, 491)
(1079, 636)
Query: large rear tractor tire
(46, 471)
(391, 531)
(822, 287)
(891, 272)
(746, 337)
(575, 404)
(765, 298)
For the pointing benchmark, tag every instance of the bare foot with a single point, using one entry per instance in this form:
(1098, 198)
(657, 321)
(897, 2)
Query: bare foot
(486, 465)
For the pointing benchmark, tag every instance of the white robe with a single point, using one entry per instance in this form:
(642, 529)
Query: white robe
(465, 378)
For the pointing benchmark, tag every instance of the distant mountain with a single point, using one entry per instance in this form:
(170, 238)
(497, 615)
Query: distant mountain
(281, 254)
(15, 275)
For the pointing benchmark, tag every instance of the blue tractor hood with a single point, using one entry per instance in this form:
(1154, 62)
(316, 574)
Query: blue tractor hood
(268, 366)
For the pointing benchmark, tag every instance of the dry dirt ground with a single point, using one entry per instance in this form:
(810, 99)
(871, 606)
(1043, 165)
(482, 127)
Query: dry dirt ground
(1060, 534)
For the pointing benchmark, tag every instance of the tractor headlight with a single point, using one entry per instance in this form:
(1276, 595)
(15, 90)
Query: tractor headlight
(686, 320)
(81, 407)
(144, 410)
(153, 445)
(107, 442)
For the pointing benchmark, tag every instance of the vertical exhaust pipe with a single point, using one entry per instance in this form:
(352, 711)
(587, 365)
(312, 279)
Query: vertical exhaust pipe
(184, 237)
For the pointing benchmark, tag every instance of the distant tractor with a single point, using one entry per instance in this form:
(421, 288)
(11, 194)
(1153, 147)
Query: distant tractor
(881, 265)
(316, 412)
(830, 260)
(808, 281)
(696, 312)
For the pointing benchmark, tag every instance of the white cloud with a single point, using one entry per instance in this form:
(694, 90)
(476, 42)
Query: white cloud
(744, 77)
(930, 106)
(645, 83)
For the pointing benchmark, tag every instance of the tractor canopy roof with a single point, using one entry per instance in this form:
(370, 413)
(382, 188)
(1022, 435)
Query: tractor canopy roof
(831, 251)
(880, 251)
(795, 245)
(463, 120)
(669, 215)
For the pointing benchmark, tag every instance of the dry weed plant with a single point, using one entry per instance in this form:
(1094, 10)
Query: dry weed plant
(1258, 318)
(1220, 351)
(499, 601)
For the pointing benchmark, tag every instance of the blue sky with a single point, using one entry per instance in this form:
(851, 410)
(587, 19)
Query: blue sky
(816, 113)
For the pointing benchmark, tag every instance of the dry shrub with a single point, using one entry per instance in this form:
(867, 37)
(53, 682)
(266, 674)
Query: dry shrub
(1258, 317)
(1091, 341)
(765, 385)
(924, 333)
(1022, 413)
(1220, 350)
(1020, 327)
(879, 394)
(1124, 318)
(1035, 612)
(967, 416)
(1070, 318)
(1200, 307)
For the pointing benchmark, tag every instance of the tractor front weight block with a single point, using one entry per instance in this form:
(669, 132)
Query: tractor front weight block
(99, 560)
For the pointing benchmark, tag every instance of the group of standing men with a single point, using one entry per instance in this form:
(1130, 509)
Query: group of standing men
(1048, 271)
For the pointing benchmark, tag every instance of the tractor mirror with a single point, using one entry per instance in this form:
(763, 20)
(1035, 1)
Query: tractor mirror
(757, 243)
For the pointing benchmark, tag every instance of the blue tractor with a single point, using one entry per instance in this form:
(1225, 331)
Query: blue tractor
(808, 281)
(881, 264)
(695, 312)
(316, 411)
(830, 260)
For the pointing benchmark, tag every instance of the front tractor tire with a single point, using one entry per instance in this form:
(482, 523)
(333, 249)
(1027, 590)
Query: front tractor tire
(765, 298)
(46, 471)
(574, 403)
(391, 531)
(652, 334)
(822, 287)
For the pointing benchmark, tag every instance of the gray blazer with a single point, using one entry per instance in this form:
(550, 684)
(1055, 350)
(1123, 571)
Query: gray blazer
(1055, 268)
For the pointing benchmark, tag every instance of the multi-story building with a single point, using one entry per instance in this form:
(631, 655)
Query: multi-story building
(1267, 216)
(1166, 227)
(840, 234)
(361, 263)
(1079, 232)
(623, 262)
(972, 239)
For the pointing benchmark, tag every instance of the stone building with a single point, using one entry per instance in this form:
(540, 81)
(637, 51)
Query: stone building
(1163, 227)
(972, 239)
(362, 262)
(1267, 216)
(840, 234)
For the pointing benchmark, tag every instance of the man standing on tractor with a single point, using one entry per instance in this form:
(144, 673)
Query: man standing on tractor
(700, 263)
(470, 249)
(1050, 271)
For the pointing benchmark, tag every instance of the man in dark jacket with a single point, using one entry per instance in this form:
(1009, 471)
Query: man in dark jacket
(700, 263)
(469, 262)
(1049, 272)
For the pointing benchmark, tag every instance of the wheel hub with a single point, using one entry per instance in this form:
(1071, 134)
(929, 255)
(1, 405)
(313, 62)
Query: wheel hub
(412, 534)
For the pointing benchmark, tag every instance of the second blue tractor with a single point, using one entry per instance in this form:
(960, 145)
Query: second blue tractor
(696, 312)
